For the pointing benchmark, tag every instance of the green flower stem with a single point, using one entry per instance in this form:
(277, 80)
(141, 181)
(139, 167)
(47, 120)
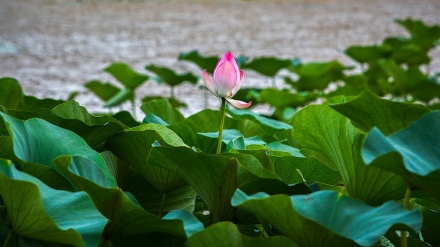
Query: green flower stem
(133, 108)
(406, 204)
(220, 128)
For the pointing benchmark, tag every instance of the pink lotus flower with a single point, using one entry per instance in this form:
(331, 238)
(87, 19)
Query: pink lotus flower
(227, 80)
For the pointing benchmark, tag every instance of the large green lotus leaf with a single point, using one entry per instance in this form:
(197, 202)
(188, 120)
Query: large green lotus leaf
(317, 75)
(170, 77)
(204, 62)
(37, 211)
(44, 173)
(125, 217)
(214, 177)
(412, 152)
(326, 218)
(126, 75)
(150, 198)
(38, 141)
(329, 136)
(268, 66)
(208, 121)
(70, 115)
(104, 90)
(270, 126)
(163, 109)
(297, 170)
(368, 110)
(285, 98)
(227, 234)
(12, 97)
(134, 146)
(93, 129)
(368, 54)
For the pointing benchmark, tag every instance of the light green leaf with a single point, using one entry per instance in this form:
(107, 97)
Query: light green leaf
(270, 126)
(326, 218)
(39, 212)
(232, 135)
(413, 152)
(208, 121)
(329, 136)
(38, 141)
(125, 217)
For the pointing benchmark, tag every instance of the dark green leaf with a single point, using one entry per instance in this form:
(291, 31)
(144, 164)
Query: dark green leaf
(169, 77)
(297, 170)
(268, 66)
(163, 109)
(285, 98)
(104, 91)
(421, 34)
(329, 136)
(368, 54)
(204, 62)
(226, 234)
(134, 146)
(11, 94)
(317, 75)
(368, 110)
(129, 78)
(214, 177)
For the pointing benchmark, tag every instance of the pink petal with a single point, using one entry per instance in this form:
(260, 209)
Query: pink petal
(208, 82)
(225, 78)
(237, 85)
(239, 104)
(226, 75)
